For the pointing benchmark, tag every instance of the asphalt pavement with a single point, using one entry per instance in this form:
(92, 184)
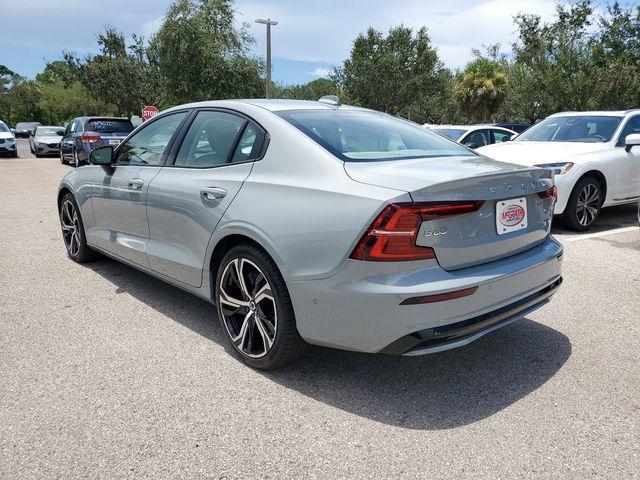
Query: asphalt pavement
(106, 372)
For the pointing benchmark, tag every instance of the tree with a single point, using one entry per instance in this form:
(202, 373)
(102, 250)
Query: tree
(396, 74)
(202, 55)
(309, 91)
(479, 89)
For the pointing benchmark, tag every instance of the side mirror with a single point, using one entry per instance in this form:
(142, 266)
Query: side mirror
(60, 133)
(13, 130)
(631, 141)
(471, 145)
(101, 156)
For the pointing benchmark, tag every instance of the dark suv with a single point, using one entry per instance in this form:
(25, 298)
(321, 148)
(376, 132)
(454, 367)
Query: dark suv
(84, 134)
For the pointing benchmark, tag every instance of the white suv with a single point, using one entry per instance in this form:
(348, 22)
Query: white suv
(7, 141)
(595, 157)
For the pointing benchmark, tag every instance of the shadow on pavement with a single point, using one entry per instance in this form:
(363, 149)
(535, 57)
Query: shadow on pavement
(610, 218)
(439, 391)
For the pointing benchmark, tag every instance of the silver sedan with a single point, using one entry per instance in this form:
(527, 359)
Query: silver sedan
(46, 140)
(321, 223)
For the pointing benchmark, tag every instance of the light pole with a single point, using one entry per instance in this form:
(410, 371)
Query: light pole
(268, 22)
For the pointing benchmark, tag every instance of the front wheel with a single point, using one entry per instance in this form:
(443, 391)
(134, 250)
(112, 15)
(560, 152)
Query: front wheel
(584, 204)
(73, 231)
(255, 310)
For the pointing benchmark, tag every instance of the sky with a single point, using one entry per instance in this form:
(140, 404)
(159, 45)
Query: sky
(310, 38)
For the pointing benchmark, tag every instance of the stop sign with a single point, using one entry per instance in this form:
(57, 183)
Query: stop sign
(149, 112)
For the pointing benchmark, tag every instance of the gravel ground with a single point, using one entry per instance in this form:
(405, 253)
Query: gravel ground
(106, 372)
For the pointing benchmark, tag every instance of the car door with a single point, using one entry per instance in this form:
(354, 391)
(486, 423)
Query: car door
(66, 144)
(119, 194)
(189, 196)
(627, 164)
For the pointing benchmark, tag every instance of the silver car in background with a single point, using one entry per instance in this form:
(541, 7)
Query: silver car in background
(316, 222)
(46, 140)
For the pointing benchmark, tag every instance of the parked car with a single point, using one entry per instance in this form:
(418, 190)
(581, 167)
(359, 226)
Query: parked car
(7, 141)
(25, 129)
(83, 134)
(46, 140)
(322, 223)
(516, 127)
(474, 136)
(594, 157)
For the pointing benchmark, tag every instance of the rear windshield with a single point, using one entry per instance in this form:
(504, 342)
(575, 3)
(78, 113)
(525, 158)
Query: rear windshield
(26, 125)
(109, 126)
(452, 133)
(365, 136)
(50, 131)
(588, 129)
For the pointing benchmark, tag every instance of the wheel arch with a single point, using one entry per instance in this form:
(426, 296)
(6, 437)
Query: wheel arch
(599, 176)
(232, 239)
(62, 192)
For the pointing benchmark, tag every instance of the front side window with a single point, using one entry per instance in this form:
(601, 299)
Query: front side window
(476, 139)
(365, 136)
(148, 145)
(585, 129)
(500, 136)
(632, 126)
(211, 141)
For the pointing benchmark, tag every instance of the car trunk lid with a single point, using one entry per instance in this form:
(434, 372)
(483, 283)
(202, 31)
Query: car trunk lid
(477, 237)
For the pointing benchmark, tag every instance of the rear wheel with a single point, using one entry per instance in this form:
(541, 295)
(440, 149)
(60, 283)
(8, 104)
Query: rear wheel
(76, 159)
(255, 310)
(62, 160)
(584, 204)
(73, 231)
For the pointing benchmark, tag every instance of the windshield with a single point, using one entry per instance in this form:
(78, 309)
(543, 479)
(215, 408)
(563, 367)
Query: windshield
(452, 133)
(49, 131)
(26, 125)
(109, 126)
(362, 136)
(592, 129)
(3, 128)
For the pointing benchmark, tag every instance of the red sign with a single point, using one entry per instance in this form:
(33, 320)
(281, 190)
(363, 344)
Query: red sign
(512, 215)
(149, 112)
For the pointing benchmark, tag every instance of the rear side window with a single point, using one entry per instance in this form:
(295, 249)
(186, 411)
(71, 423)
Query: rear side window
(366, 135)
(217, 138)
(109, 126)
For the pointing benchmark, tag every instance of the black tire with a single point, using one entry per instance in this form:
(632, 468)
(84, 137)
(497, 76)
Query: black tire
(15, 154)
(36, 154)
(575, 216)
(287, 344)
(76, 160)
(62, 160)
(78, 250)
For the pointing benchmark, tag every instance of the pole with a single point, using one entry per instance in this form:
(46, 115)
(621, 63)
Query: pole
(268, 86)
(268, 22)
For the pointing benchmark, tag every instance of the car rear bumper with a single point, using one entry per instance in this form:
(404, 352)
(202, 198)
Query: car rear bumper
(360, 308)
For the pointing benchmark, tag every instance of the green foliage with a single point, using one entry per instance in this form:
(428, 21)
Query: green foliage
(59, 103)
(479, 89)
(394, 74)
(203, 56)
(309, 91)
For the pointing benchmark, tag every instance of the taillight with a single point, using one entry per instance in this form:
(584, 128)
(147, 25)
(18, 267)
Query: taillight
(90, 137)
(392, 235)
(549, 193)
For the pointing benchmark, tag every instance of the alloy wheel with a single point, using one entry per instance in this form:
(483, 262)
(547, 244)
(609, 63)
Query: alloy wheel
(76, 159)
(70, 227)
(248, 307)
(588, 204)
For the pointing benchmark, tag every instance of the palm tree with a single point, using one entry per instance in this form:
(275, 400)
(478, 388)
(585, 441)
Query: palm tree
(479, 89)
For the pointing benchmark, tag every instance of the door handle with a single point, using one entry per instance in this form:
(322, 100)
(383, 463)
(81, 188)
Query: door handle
(213, 193)
(136, 183)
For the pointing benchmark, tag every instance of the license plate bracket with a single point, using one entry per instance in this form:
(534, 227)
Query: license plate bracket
(511, 215)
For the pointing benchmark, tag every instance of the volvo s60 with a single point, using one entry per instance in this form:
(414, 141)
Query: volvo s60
(319, 223)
